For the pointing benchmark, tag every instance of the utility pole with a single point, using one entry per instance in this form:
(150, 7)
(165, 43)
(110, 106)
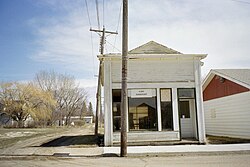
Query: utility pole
(98, 94)
(124, 96)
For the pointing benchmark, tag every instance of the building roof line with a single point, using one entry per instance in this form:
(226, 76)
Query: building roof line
(153, 47)
(239, 76)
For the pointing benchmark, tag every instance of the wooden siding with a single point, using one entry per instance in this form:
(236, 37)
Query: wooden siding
(219, 88)
(228, 116)
(155, 71)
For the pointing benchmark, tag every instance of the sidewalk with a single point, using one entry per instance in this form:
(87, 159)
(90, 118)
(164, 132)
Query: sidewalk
(54, 151)
(132, 150)
(179, 149)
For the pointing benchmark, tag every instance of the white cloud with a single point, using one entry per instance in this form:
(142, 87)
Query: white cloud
(218, 28)
(65, 44)
(90, 86)
(85, 83)
(65, 39)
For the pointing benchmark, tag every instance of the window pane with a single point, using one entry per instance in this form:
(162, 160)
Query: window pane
(116, 94)
(186, 93)
(166, 95)
(184, 109)
(142, 114)
(166, 109)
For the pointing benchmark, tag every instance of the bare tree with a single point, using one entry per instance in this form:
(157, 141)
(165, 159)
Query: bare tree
(90, 109)
(83, 110)
(23, 100)
(67, 93)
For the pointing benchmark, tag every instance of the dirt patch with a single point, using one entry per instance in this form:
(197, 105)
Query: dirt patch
(225, 140)
(16, 134)
(9, 137)
(12, 140)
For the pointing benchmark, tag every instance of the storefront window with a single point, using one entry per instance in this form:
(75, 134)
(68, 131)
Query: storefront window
(142, 112)
(166, 109)
(116, 109)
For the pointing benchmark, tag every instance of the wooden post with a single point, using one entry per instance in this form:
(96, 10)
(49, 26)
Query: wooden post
(124, 96)
(98, 94)
(98, 99)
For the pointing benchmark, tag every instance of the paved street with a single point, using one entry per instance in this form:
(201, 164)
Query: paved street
(29, 152)
(227, 160)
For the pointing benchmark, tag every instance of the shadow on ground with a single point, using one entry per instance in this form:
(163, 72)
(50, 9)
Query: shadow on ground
(225, 140)
(87, 140)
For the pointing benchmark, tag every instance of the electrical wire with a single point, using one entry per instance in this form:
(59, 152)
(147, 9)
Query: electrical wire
(119, 17)
(245, 2)
(103, 13)
(113, 46)
(92, 52)
(97, 13)
(118, 25)
(103, 20)
(91, 36)
(88, 13)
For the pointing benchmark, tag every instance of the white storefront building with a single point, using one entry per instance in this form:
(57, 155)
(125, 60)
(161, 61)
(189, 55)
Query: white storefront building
(164, 95)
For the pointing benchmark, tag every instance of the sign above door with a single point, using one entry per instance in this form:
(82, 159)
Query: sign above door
(142, 93)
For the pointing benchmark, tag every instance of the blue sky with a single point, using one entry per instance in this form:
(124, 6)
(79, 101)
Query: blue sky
(54, 34)
(22, 39)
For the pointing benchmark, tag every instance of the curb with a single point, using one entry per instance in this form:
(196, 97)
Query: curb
(179, 149)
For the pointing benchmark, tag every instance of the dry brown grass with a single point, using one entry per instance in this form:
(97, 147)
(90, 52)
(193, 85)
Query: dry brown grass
(9, 137)
(225, 140)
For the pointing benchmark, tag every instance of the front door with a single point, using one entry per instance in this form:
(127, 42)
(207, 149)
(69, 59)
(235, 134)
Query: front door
(187, 118)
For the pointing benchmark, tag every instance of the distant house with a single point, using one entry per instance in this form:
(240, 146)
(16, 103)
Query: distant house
(74, 120)
(5, 120)
(226, 94)
(88, 119)
(164, 95)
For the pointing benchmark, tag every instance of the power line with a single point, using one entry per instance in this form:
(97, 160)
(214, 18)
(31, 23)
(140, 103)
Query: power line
(97, 14)
(118, 25)
(92, 52)
(245, 2)
(103, 18)
(91, 36)
(88, 12)
(114, 47)
(119, 17)
(103, 13)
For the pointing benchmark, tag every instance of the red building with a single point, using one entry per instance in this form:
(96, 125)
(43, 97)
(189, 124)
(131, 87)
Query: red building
(226, 95)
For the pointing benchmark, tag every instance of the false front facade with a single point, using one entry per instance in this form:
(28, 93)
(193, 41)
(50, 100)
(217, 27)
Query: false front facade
(164, 95)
